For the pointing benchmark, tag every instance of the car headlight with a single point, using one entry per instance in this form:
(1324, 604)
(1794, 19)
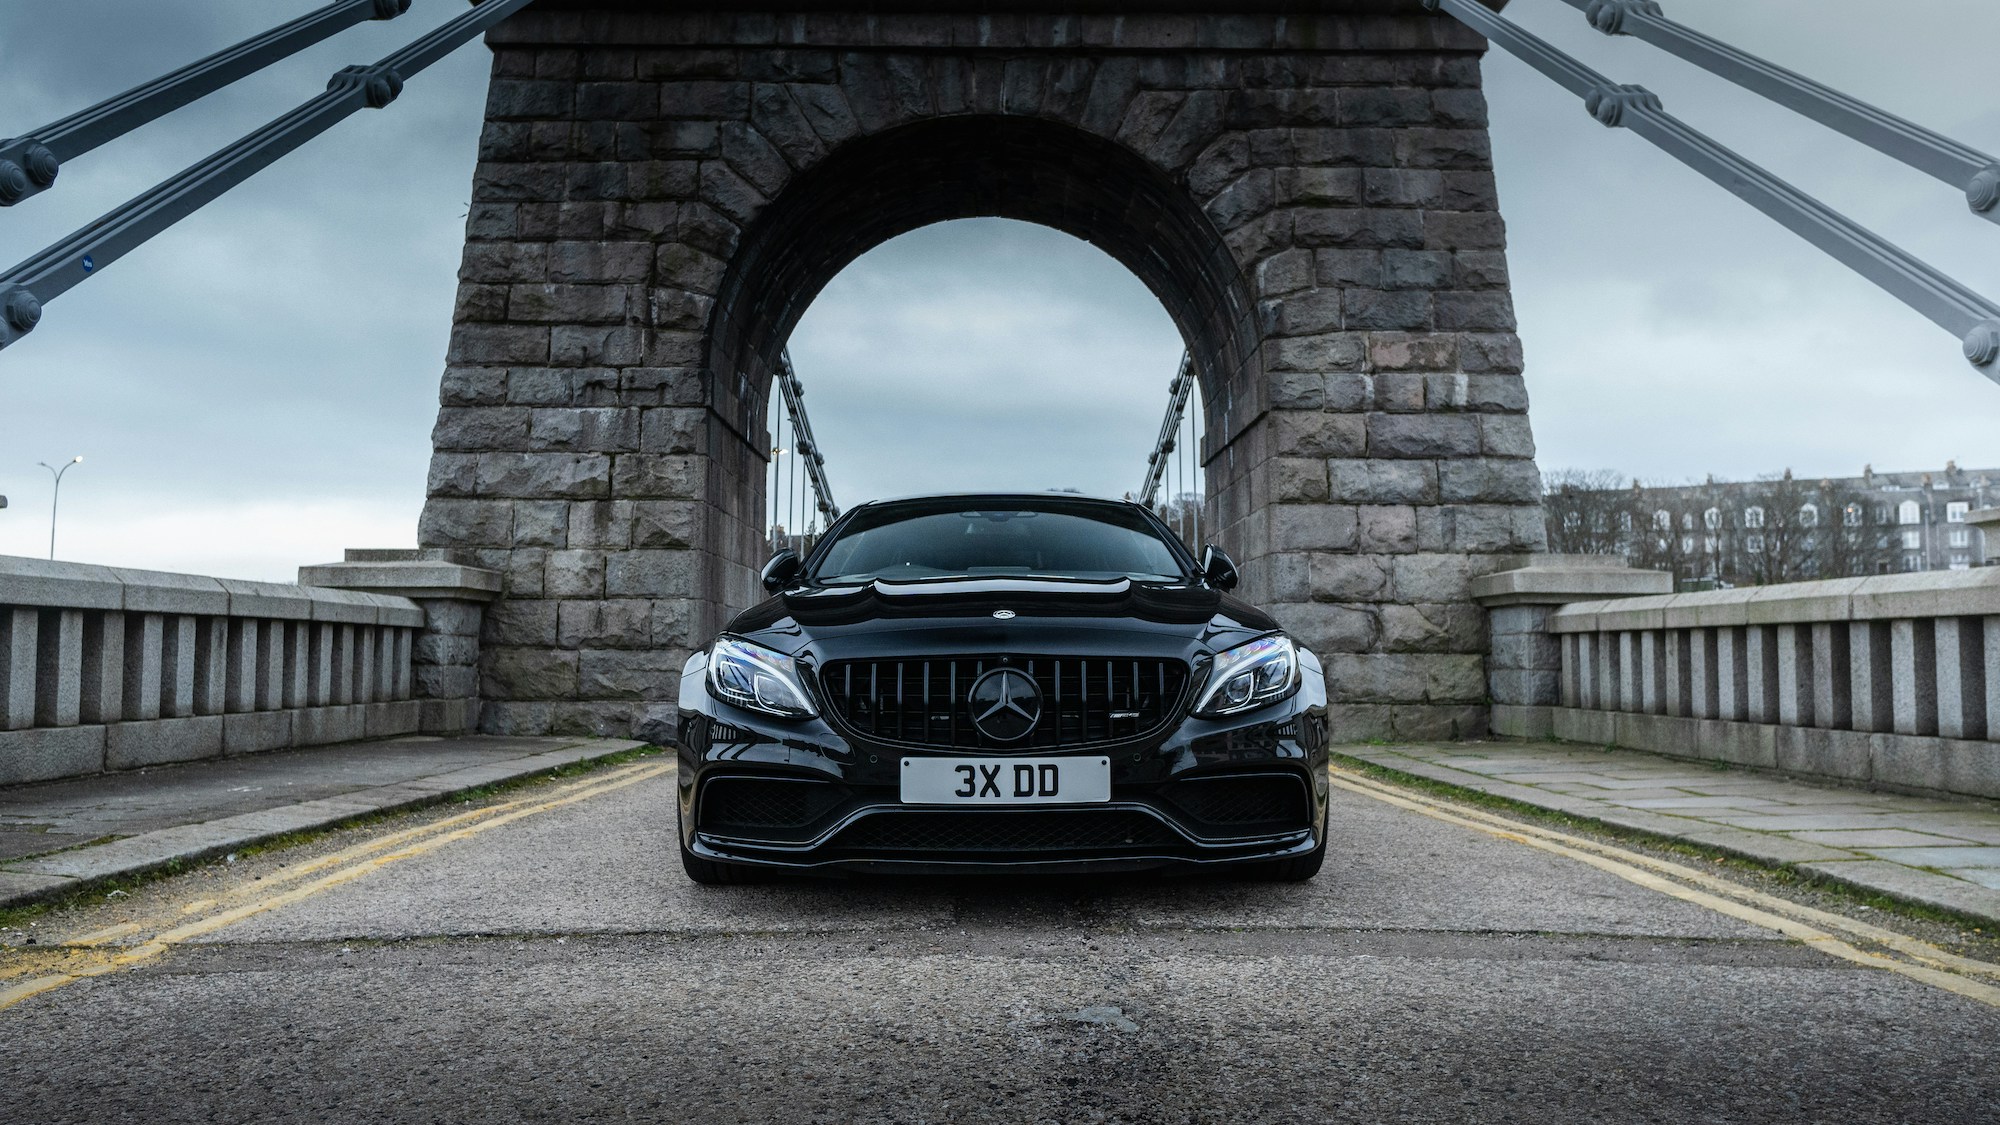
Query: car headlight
(754, 677)
(1250, 676)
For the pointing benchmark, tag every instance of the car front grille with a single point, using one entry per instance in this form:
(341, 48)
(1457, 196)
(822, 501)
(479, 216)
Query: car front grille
(985, 831)
(764, 806)
(1084, 701)
(1242, 805)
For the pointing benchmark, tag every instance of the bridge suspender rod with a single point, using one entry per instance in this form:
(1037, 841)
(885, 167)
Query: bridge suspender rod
(1946, 302)
(1961, 166)
(33, 283)
(1170, 429)
(29, 163)
(805, 446)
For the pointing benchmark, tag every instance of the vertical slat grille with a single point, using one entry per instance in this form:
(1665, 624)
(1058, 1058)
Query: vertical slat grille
(1084, 700)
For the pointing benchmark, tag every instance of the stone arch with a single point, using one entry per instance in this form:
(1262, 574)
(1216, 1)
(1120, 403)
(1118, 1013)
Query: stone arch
(913, 175)
(1308, 190)
(1029, 169)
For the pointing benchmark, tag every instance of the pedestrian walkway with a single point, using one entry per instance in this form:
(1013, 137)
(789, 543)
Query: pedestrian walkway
(1936, 852)
(60, 835)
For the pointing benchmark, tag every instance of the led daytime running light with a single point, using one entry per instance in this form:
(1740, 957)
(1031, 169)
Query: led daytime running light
(757, 679)
(1250, 676)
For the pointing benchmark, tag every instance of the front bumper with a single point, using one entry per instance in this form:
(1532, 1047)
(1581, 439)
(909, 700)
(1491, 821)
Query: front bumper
(804, 797)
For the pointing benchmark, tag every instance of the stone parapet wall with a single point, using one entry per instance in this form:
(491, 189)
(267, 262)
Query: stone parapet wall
(103, 668)
(1891, 680)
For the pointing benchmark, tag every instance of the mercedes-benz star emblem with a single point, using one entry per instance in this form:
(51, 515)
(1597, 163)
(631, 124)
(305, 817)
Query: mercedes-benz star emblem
(1003, 614)
(1006, 704)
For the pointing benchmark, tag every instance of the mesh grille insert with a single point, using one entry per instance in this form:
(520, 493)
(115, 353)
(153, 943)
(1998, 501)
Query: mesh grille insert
(1270, 800)
(736, 804)
(1084, 701)
(943, 832)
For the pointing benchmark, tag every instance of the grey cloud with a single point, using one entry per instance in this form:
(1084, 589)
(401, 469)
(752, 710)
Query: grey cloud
(286, 344)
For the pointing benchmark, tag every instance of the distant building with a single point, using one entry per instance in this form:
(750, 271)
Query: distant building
(1745, 533)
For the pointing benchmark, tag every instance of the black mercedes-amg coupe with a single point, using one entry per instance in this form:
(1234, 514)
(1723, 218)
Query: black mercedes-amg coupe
(1001, 683)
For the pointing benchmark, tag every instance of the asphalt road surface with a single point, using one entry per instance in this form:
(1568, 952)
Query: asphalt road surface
(543, 957)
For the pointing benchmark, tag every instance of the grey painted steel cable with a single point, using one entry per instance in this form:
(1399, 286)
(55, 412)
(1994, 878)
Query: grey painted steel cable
(30, 162)
(1975, 173)
(803, 442)
(27, 287)
(1940, 298)
(1156, 462)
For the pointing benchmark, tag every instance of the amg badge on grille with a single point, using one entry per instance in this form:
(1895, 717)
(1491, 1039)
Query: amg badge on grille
(1006, 704)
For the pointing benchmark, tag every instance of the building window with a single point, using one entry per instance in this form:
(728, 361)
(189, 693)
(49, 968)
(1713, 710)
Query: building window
(1853, 515)
(1753, 517)
(1961, 562)
(1712, 518)
(1913, 540)
(1909, 512)
(1687, 544)
(1954, 512)
(1687, 522)
(1755, 544)
(1881, 513)
(1809, 515)
(1663, 520)
(1913, 562)
(1572, 521)
(1961, 537)
(1624, 521)
(1708, 544)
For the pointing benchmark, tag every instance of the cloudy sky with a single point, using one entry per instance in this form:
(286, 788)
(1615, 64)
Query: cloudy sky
(255, 390)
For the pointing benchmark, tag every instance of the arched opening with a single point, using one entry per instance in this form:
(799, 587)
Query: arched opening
(982, 354)
(878, 188)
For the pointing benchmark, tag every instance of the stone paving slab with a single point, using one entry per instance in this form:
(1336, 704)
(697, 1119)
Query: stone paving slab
(202, 809)
(1942, 852)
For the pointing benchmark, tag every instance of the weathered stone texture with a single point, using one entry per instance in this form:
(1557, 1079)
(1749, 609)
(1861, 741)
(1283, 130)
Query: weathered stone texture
(659, 194)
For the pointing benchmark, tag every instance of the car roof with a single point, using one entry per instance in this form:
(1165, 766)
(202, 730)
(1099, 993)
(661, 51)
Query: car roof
(1002, 497)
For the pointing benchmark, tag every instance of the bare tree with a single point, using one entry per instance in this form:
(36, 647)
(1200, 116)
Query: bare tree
(1586, 511)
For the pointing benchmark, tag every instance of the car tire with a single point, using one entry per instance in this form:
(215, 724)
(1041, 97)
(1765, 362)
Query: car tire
(1298, 868)
(710, 873)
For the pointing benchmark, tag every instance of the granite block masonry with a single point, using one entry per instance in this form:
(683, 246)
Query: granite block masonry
(660, 195)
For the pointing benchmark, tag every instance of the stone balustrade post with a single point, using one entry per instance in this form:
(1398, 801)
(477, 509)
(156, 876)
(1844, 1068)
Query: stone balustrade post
(1525, 665)
(444, 657)
(1986, 521)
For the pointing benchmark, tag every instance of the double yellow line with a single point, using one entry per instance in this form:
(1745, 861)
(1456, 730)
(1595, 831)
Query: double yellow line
(131, 943)
(115, 948)
(1832, 934)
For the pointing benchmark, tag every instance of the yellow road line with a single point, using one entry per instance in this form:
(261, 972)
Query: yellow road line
(1854, 927)
(1932, 966)
(82, 959)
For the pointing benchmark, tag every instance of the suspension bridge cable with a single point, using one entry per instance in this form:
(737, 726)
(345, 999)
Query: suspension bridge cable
(1156, 462)
(803, 441)
(1974, 172)
(26, 288)
(30, 162)
(1940, 298)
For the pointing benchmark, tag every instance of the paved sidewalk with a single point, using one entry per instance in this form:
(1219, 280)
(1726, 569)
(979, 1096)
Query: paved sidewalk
(1932, 851)
(59, 835)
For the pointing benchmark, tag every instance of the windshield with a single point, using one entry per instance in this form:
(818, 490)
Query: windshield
(911, 542)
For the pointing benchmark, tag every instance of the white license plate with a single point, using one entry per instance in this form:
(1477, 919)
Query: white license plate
(1006, 781)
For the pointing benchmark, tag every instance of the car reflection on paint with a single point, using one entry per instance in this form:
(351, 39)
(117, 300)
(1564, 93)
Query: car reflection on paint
(1001, 683)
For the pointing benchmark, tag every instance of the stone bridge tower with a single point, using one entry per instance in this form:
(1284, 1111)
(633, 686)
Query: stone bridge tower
(662, 191)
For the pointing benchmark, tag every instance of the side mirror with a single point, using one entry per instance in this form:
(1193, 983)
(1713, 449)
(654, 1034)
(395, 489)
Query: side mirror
(1218, 568)
(779, 572)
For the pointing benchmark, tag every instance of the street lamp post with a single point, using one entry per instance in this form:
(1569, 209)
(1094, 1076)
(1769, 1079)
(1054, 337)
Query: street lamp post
(57, 498)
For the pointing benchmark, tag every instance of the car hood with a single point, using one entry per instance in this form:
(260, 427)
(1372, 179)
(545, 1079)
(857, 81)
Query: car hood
(956, 616)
